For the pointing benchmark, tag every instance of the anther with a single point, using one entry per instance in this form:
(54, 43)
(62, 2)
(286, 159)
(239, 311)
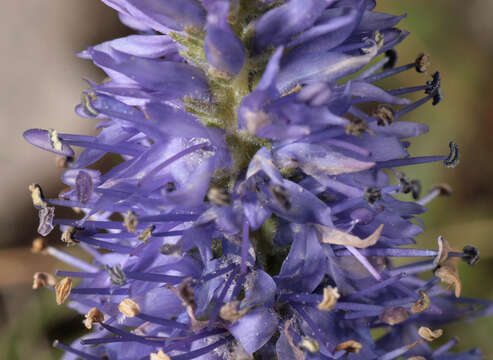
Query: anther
(470, 255)
(428, 334)
(218, 196)
(356, 127)
(384, 114)
(171, 249)
(409, 186)
(231, 311)
(62, 290)
(349, 346)
(394, 315)
(55, 141)
(329, 299)
(129, 308)
(372, 195)
(422, 304)
(437, 190)
(433, 88)
(392, 57)
(85, 101)
(130, 221)
(39, 245)
(160, 355)
(309, 344)
(422, 63)
(117, 276)
(169, 187)
(453, 159)
(93, 316)
(37, 196)
(146, 234)
(63, 162)
(43, 279)
(281, 195)
(68, 236)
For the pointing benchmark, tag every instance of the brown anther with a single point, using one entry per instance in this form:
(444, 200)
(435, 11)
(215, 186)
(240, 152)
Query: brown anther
(43, 279)
(394, 315)
(356, 127)
(146, 234)
(218, 196)
(428, 334)
(37, 196)
(422, 304)
(444, 188)
(384, 114)
(68, 236)
(130, 221)
(231, 311)
(62, 162)
(422, 62)
(55, 141)
(350, 346)
(449, 274)
(92, 317)
(329, 299)
(443, 249)
(160, 355)
(129, 308)
(309, 344)
(62, 290)
(39, 245)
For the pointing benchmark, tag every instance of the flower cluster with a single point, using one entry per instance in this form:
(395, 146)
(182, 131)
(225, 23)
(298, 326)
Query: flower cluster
(250, 210)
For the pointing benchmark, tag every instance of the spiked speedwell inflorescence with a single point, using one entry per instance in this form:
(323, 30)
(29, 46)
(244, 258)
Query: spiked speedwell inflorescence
(250, 214)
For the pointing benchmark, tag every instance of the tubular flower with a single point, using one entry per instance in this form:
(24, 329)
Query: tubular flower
(251, 212)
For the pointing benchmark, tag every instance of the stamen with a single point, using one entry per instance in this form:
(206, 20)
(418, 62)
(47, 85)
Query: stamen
(428, 334)
(37, 196)
(309, 344)
(55, 142)
(372, 195)
(63, 161)
(422, 304)
(152, 277)
(445, 347)
(62, 290)
(392, 57)
(231, 311)
(374, 288)
(39, 245)
(329, 300)
(161, 321)
(146, 234)
(218, 196)
(394, 315)
(159, 356)
(68, 236)
(470, 255)
(101, 291)
(123, 148)
(129, 308)
(76, 274)
(202, 351)
(121, 249)
(453, 158)
(130, 221)
(438, 190)
(384, 114)
(219, 301)
(93, 316)
(364, 261)
(71, 260)
(433, 88)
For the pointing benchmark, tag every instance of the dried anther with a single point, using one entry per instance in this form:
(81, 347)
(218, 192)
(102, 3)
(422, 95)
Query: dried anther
(68, 236)
(117, 276)
(62, 290)
(129, 308)
(409, 186)
(470, 255)
(232, 312)
(443, 188)
(37, 196)
(384, 114)
(169, 187)
(392, 57)
(160, 355)
(218, 196)
(453, 158)
(428, 334)
(422, 304)
(55, 141)
(63, 162)
(92, 317)
(38, 245)
(130, 221)
(372, 195)
(394, 315)
(171, 249)
(329, 300)
(281, 195)
(43, 279)
(433, 88)
(349, 346)
(356, 127)
(443, 250)
(309, 344)
(146, 234)
(422, 63)
(448, 273)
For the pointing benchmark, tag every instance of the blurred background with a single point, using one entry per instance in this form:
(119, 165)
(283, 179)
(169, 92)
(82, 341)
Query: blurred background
(42, 81)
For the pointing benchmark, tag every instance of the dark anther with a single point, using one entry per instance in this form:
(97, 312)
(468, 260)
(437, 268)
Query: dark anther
(470, 255)
(117, 276)
(422, 62)
(372, 195)
(218, 196)
(171, 249)
(409, 186)
(392, 56)
(453, 158)
(433, 88)
(63, 162)
(170, 187)
(384, 114)
(281, 196)
(445, 189)
(68, 235)
(356, 127)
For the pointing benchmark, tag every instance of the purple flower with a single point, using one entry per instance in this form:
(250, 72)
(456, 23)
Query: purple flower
(251, 214)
